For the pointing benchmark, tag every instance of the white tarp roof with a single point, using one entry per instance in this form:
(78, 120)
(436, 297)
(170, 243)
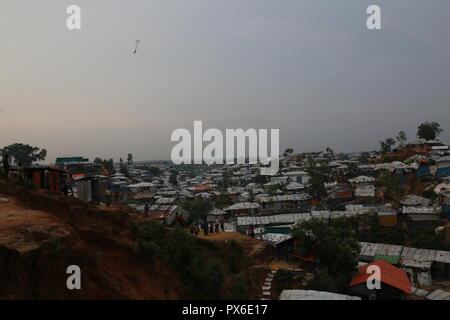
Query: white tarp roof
(361, 179)
(415, 200)
(365, 191)
(421, 210)
(242, 205)
(276, 238)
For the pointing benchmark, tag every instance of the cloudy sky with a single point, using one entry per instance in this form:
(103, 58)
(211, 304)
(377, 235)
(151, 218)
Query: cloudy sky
(308, 67)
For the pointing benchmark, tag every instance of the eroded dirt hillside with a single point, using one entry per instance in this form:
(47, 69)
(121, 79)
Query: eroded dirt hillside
(41, 234)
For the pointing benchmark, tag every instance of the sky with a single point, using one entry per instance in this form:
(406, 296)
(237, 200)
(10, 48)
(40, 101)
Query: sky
(310, 68)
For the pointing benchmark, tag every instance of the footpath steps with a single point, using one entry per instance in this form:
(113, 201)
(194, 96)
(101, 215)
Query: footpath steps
(267, 287)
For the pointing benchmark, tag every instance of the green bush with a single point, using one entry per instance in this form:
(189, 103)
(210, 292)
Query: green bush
(26, 184)
(238, 289)
(236, 246)
(428, 239)
(180, 252)
(149, 250)
(430, 194)
(282, 280)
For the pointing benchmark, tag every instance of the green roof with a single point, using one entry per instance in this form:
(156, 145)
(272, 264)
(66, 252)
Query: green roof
(280, 230)
(71, 159)
(389, 259)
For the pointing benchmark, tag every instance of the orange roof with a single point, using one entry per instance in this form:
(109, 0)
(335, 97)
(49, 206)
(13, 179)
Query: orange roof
(144, 196)
(310, 258)
(202, 187)
(79, 175)
(158, 214)
(390, 275)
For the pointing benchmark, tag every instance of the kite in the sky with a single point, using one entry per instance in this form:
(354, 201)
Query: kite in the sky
(135, 49)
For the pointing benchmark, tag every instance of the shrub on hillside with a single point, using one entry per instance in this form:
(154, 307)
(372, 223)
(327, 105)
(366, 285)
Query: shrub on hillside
(238, 289)
(178, 250)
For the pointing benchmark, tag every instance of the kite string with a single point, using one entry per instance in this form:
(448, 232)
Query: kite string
(16, 126)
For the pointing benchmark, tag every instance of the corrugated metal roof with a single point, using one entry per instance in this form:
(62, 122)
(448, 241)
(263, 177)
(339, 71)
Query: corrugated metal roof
(165, 200)
(286, 197)
(442, 256)
(313, 295)
(288, 218)
(439, 295)
(410, 255)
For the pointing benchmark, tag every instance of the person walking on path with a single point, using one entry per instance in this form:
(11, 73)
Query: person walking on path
(216, 226)
(211, 228)
(205, 228)
(108, 197)
(251, 231)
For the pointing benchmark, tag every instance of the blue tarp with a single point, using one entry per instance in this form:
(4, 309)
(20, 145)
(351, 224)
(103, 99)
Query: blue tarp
(446, 211)
(442, 172)
(423, 170)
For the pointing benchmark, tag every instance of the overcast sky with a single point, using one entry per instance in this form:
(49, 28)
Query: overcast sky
(308, 67)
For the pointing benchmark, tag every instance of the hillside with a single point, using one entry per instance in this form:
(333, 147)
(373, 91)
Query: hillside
(42, 234)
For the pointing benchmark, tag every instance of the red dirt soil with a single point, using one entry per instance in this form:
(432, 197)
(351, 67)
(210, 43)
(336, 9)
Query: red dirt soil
(41, 234)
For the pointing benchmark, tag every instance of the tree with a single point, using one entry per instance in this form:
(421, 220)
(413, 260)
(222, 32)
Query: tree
(197, 208)
(334, 244)
(181, 253)
(401, 139)
(374, 232)
(173, 178)
(283, 279)
(386, 146)
(98, 161)
(130, 158)
(352, 170)
(288, 151)
(429, 130)
(109, 165)
(258, 178)
(238, 289)
(225, 182)
(364, 158)
(330, 151)
(391, 183)
(124, 170)
(155, 171)
(272, 190)
(318, 175)
(24, 154)
(428, 239)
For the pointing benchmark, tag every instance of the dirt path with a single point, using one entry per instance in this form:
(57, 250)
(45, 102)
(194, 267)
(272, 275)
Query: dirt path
(24, 229)
(251, 245)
